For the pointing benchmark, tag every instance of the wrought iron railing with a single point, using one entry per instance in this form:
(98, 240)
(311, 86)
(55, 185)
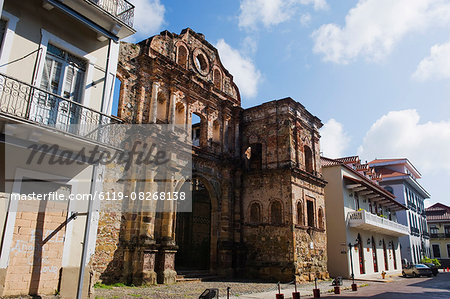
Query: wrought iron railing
(415, 231)
(21, 100)
(412, 206)
(440, 235)
(120, 9)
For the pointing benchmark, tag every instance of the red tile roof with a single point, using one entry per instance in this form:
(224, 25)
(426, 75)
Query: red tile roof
(346, 160)
(327, 162)
(385, 160)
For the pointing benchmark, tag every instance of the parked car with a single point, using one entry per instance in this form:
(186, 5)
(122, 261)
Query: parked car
(433, 267)
(417, 270)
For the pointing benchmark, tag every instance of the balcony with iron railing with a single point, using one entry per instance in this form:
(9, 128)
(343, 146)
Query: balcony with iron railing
(109, 18)
(415, 231)
(440, 235)
(120, 9)
(26, 103)
(412, 206)
(371, 222)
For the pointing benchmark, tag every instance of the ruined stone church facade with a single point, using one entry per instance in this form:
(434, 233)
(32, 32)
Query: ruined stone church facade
(257, 187)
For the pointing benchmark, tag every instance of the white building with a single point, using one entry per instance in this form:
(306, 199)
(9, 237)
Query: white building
(399, 177)
(58, 62)
(361, 217)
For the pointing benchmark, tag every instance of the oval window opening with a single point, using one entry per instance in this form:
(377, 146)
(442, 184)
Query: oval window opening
(201, 62)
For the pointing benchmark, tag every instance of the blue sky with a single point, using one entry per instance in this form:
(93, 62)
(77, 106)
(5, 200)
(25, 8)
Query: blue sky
(376, 72)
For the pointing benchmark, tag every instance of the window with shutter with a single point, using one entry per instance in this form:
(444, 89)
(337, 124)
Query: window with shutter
(63, 74)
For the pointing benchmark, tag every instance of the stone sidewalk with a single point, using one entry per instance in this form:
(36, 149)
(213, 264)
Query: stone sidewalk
(304, 289)
(324, 286)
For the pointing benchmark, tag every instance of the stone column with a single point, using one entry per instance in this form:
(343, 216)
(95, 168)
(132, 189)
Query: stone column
(166, 262)
(173, 104)
(166, 255)
(225, 242)
(236, 138)
(226, 132)
(154, 104)
(128, 231)
(140, 106)
(146, 260)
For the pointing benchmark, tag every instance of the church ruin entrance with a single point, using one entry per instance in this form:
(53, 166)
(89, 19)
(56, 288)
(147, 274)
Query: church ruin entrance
(193, 232)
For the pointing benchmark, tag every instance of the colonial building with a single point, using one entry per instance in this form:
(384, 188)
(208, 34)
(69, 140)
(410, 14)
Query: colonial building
(258, 207)
(362, 225)
(58, 62)
(438, 219)
(400, 177)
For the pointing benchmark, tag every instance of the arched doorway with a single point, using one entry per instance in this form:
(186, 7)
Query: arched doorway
(193, 232)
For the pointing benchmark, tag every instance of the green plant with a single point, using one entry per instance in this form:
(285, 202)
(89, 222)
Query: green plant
(99, 285)
(432, 261)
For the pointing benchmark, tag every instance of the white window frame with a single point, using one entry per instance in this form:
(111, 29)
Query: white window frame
(8, 38)
(47, 38)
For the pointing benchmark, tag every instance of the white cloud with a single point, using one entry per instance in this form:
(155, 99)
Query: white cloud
(436, 65)
(399, 134)
(246, 76)
(249, 45)
(373, 27)
(318, 4)
(305, 19)
(334, 141)
(268, 12)
(148, 18)
(272, 12)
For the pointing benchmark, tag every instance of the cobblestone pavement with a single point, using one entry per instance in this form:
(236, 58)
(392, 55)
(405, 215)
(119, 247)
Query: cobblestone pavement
(182, 290)
(239, 289)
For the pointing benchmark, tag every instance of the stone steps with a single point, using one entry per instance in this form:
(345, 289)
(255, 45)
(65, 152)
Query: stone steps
(201, 275)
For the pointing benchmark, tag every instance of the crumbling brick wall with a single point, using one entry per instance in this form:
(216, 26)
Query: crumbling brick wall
(254, 165)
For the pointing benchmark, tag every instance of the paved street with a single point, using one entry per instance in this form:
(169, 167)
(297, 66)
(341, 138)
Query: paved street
(436, 287)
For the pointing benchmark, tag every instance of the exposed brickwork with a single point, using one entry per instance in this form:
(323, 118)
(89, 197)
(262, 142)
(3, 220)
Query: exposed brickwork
(252, 166)
(36, 253)
(280, 248)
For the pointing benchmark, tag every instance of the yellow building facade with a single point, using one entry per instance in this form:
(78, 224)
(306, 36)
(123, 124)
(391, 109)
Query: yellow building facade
(438, 219)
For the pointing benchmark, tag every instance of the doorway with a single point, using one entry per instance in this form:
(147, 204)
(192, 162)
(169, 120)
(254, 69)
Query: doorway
(362, 268)
(374, 255)
(386, 265)
(193, 232)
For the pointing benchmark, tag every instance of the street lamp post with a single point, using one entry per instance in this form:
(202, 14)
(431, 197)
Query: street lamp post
(354, 287)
